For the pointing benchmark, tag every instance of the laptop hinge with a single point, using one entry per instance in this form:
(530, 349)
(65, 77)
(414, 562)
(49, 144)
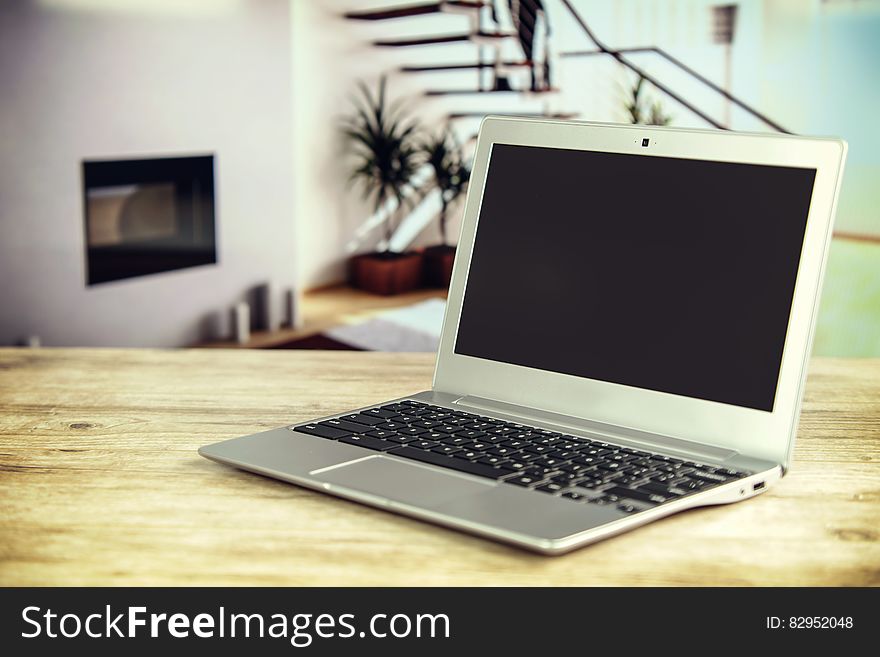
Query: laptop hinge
(634, 437)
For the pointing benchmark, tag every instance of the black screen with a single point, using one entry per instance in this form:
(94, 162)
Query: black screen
(666, 274)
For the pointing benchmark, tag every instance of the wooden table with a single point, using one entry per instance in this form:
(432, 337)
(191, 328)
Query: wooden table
(100, 484)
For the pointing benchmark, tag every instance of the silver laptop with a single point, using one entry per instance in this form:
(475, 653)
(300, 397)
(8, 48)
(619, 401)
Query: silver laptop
(626, 337)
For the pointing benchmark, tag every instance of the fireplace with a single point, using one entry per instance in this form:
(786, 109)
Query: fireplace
(147, 216)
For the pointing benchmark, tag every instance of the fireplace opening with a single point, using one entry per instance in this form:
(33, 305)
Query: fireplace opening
(148, 216)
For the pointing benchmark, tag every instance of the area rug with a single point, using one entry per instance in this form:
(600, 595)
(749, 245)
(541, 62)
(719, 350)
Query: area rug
(412, 328)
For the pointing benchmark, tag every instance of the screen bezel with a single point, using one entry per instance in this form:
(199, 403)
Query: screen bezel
(757, 433)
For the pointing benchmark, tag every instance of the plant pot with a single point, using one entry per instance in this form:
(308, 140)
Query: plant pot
(386, 273)
(438, 265)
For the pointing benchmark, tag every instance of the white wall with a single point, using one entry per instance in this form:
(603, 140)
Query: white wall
(91, 79)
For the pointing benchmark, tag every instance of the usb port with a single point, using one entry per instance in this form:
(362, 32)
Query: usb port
(758, 486)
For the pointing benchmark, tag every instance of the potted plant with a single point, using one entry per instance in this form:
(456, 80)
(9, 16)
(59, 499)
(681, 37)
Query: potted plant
(451, 176)
(385, 158)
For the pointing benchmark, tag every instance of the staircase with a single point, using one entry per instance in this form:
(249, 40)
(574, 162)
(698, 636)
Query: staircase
(490, 41)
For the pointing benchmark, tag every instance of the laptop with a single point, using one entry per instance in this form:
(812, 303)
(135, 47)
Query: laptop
(626, 337)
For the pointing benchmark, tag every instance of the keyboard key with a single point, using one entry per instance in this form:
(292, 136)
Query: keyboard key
(576, 467)
(540, 470)
(369, 442)
(640, 495)
(689, 485)
(446, 449)
(566, 478)
(423, 444)
(572, 495)
(492, 460)
(552, 487)
(395, 438)
(471, 433)
(627, 480)
(660, 489)
(363, 419)
(345, 425)
(379, 412)
(323, 432)
(448, 428)
(523, 480)
(452, 439)
(709, 477)
(380, 433)
(627, 508)
(605, 499)
(468, 454)
(399, 408)
(391, 426)
(548, 462)
(589, 483)
(411, 431)
(478, 469)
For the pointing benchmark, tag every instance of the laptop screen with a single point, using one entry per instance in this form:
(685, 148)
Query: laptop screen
(659, 273)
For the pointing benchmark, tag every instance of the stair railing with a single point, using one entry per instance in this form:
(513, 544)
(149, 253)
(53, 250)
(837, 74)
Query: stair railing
(620, 55)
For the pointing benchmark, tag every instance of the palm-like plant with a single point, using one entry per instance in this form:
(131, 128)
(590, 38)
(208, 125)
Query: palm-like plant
(451, 174)
(384, 148)
(636, 110)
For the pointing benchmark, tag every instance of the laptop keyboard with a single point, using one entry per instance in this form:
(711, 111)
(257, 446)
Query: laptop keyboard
(554, 463)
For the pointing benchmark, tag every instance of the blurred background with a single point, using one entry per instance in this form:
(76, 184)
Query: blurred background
(291, 173)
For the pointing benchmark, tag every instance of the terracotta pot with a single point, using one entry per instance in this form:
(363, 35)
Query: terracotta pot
(438, 265)
(386, 273)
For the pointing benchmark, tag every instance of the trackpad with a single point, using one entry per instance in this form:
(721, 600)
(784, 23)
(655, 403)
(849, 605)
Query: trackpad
(400, 481)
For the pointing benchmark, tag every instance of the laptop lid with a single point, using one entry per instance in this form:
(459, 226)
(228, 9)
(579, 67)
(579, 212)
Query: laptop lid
(657, 279)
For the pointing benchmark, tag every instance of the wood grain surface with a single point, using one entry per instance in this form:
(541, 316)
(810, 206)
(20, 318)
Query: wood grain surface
(100, 484)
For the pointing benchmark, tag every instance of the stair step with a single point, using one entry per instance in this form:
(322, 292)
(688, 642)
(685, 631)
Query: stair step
(476, 37)
(479, 115)
(463, 92)
(412, 10)
(461, 67)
